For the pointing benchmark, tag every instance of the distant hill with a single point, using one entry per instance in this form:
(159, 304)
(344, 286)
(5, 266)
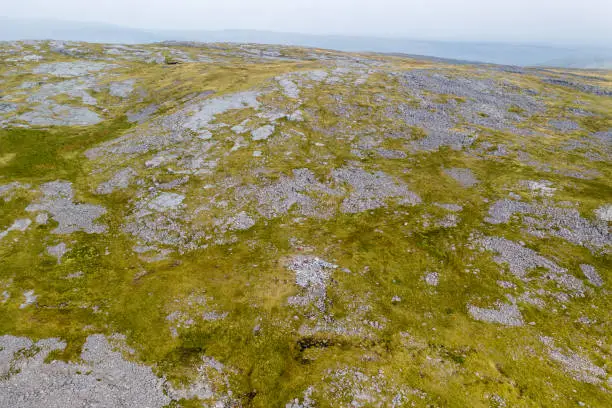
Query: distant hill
(498, 53)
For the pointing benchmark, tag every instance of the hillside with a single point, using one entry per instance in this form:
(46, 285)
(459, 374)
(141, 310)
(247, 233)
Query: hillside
(186, 225)
(593, 56)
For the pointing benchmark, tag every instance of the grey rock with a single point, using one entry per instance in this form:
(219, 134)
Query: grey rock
(580, 368)
(18, 225)
(6, 107)
(432, 279)
(57, 200)
(543, 219)
(122, 89)
(391, 154)
(587, 88)
(184, 127)
(202, 114)
(276, 199)
(214, 316)
(120, 181)
(210, 374)
(58, 251)
(465, 177)
(317, 75)
(71, 69)
(74, 88)
(103, 379)
(290, 89)
(486, 102)
(306, 402)
(448, 221)
(564, 125)
(7, 191)
(166, 201)
(42, 218)
(240, 222)
(521, 260)
(30, 299)
(262, 133)
(505, 314)
(604, 213)
(370, 190)
(296, 116)
(502, 211)
(506, 284)
(541, 188)
(142, 115)
(591, 274)
(311, 274)
(450, 207)
(52, 114)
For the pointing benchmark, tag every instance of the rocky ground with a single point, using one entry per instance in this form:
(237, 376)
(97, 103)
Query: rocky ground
(186, 225)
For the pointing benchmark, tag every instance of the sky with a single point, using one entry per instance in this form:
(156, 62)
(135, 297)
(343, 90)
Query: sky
(531, 21)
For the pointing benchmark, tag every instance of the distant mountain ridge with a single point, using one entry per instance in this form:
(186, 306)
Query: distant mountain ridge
(497, 53)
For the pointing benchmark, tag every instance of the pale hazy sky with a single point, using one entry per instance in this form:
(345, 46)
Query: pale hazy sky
(578, 21)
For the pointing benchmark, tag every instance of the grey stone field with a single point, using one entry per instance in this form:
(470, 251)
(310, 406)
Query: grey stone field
(237, 225)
